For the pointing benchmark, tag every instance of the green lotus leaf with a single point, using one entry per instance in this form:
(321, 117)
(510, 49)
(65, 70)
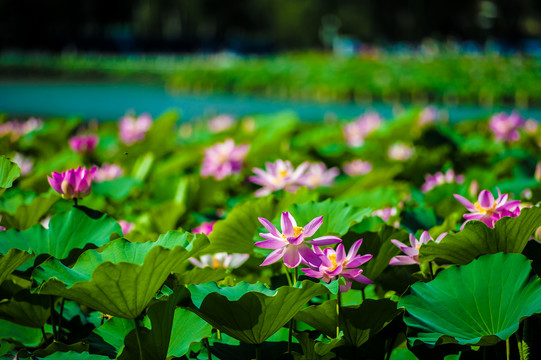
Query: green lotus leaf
(27, 215)
(235, 233)
(56, 347)
(67, 231)
(117, 189)
(21, 334)
(123, 278)
(476, 304)
(251, 312)
(72, 355)
(338, 216)
(11, 261)
(114, 330)
(173, 330)
(358, 322)
(9, 171)
(510, 235)
(26, 309)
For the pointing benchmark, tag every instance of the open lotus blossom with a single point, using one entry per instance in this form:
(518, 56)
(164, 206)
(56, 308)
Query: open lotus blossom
(357, 167)
(108, 172)
(412, 253)
(224, 159)
(505, 127)
(25, 163)
(317, 175)
(83, 144)
(126, 226)
(278, 175)
(400, 152)
(337, 263)
(205, 227)
(133, 129)
(489, 210)
(291, 243)
(440, 178)
(73, 183)
(356, 131)
(221, 123)
(220, 260)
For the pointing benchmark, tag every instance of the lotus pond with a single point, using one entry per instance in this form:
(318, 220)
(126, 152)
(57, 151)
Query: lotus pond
(268, 237)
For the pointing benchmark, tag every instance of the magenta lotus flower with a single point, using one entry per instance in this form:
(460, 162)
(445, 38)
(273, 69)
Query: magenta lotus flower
(440, 178)
(220, 261)
(412, 253)
(505, 127)
(72, 184)
(133, 129)
(356, 131)
(335, 264)
(489, 210)
(108, 172)
(385, 213)
(221, 123)
(318, 175)
(278, 175)
(126, 226)
(357, 167)
(83, 144)
(291, 243)
(224, 159)
(205, 227)
(15, 129)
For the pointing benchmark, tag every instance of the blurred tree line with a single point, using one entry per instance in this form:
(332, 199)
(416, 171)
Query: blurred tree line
(250, 26)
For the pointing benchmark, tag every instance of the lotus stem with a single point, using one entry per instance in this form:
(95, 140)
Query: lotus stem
(60, 318)
(207, 346)
(138, 339)
(295, 275)
(44, 334)
(363, 293)
(338, 305)
(55, 335)
(507, 349)
(218, 334)
(258, 351)
(75, 201)
(287, 275)
(430, 270)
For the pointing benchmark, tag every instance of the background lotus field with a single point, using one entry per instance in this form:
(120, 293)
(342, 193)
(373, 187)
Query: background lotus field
(154, 250)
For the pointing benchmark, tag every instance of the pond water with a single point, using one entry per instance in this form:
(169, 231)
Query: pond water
(109, 101)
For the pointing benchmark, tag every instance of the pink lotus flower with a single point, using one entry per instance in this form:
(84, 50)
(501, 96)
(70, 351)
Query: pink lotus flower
(15, 129)
(291, 243)
(83, 144)
(132, 130)
(440, 178)
(205, 227)
(224, 159)
(357, 167)
(72, 184)
(428, 115)
(221, 123)
(489, 210)
(356, 131)
(317, 175)
(335, 264)
(278, 175)
(108, 172)
(385, 213)
(412, 253)
(505, 127)
(220, 261)
(25, 163)
(400, 152)
(126, 226)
